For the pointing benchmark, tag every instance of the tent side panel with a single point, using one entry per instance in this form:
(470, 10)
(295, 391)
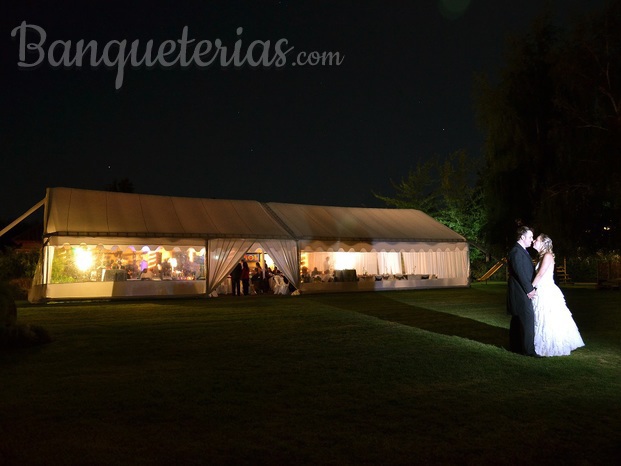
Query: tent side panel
(121, 290)
(383, 285)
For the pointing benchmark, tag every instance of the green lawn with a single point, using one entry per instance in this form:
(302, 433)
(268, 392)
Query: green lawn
(405, 377)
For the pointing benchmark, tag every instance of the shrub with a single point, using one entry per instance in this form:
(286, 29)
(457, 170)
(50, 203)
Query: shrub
(13, 335)
(20, 287)
(581, 269)
(8, 310)
(23, 336)
(17, 264)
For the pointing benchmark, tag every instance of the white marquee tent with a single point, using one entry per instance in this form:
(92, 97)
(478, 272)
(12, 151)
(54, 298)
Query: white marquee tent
(402, 243)
(206, 237)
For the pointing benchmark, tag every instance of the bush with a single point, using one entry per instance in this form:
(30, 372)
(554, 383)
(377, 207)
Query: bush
(17, 264)
(13, 335)
(8, 310)
(581, 269)
(20, 287)
(584, 267)
(23, 336)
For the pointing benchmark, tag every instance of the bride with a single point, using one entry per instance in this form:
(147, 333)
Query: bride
(556, 333)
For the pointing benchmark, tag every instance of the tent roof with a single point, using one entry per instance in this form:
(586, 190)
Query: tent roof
(78, 212)
(81, 212)
(357, 223)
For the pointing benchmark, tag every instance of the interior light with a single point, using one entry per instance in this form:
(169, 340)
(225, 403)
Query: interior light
(343, 261)
(83, 259)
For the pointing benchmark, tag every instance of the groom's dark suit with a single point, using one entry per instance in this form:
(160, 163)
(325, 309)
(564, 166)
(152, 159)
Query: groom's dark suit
(519, 305)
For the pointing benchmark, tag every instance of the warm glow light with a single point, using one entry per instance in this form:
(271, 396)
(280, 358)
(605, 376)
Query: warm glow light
(343, 261)
(173, 262)
(83, 259)
(268, 261)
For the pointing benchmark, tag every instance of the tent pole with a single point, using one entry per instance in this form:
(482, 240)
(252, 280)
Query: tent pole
(22, 217)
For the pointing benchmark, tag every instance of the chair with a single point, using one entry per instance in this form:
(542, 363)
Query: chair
(280, 287)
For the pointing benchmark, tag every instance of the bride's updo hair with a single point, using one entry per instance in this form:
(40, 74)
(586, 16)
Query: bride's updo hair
(546, 242)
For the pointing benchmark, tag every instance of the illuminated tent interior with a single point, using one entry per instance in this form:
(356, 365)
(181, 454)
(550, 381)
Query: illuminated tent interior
(380, 248)
(96, 243)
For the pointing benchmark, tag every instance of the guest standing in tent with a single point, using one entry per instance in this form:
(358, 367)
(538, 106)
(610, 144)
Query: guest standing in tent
(245, 278)
(236, 276)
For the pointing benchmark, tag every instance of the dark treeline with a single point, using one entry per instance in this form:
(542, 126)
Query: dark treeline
(552, 155)
(552, 125)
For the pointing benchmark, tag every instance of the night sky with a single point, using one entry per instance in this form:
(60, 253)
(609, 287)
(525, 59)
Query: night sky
(303, 134)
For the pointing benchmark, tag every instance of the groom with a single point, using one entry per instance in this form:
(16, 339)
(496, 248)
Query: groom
(519, 294)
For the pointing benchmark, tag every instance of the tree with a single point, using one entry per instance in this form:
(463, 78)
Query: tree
(447, 191)
(515, 115)
(417, 190)
(589, 95)
(553, 133)
(122, 186)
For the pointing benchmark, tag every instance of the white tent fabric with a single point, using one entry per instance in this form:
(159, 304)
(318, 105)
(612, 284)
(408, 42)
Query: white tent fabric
(359, 228)
(447, 263)
(223, 254)
(372, 241)
(285, 254)
(78, 212)
(389, 263)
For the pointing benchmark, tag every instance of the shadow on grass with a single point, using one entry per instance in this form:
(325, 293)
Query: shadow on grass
(443, 323)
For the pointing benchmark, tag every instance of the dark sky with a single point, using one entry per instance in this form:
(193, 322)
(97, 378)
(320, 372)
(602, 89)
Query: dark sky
(303, 134)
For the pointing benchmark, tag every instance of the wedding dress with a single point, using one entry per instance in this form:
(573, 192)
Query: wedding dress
(556, 333)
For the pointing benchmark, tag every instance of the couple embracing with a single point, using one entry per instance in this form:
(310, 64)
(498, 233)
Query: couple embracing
(541, 323)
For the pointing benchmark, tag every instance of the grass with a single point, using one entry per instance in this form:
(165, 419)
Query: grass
(407, 377)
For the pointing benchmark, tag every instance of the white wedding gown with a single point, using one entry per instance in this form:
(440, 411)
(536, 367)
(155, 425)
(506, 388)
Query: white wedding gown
(556, 333)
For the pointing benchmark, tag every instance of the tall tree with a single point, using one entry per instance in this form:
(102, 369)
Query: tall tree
(516, 114)
(589, 96)
(553, 133)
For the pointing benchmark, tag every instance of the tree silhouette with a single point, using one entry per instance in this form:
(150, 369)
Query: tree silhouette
(553, 133)
(121, 186)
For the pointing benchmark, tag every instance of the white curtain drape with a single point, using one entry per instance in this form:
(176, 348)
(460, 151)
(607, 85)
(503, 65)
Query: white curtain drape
(389, 262)
(443, 264)
(460, 263)
(446, 264)
(410, 265)
(222, 255)
(286, 255)
(368, 263)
